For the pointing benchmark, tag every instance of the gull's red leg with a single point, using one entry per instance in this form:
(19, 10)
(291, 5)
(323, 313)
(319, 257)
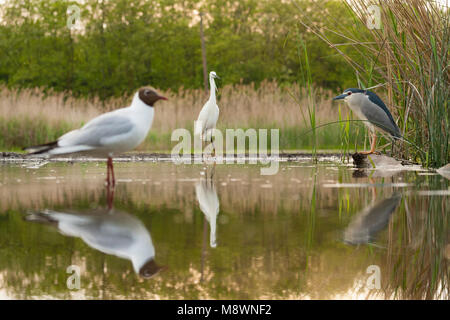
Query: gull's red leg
(110, 197)
(112, 172)
(107, 172)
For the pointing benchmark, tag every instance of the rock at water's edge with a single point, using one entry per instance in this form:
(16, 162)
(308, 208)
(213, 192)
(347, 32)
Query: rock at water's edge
(444, 171)
(363, 161)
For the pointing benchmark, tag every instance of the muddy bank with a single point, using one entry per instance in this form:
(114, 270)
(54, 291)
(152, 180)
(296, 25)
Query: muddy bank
(130, 157)
(378, 160)
(361, 161)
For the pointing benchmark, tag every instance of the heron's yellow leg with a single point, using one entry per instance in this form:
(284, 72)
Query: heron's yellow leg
(372, 145)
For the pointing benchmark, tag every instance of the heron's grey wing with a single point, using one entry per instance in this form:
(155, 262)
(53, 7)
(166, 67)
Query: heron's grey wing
(378, 216)
(91, 134)
(379, 118)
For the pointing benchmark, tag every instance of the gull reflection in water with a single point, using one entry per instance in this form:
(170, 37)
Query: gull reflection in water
(109, 231)
(209, 204)
(370, 221)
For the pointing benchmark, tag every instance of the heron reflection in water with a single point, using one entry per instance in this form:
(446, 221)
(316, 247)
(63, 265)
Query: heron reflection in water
(109, 231)
(372, 219)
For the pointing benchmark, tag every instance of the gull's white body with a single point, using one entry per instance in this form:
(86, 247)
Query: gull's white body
(209, 205)
(109, 231)
(207, 119)
(111, 133)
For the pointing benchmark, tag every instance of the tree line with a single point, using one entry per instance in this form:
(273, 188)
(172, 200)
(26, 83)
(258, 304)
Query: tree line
(118, 46)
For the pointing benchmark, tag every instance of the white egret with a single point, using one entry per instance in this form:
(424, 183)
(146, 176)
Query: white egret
(207, 119)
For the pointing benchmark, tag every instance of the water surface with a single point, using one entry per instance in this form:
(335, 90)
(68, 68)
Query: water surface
(194, 232)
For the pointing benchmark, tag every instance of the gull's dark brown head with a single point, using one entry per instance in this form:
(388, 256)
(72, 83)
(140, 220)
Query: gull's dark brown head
(149, 96)
(150, 268)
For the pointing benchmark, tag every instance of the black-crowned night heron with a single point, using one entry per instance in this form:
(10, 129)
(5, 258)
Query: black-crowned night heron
(372, 110)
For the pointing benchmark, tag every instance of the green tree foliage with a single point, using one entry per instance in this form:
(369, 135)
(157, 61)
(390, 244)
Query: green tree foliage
(123, 44)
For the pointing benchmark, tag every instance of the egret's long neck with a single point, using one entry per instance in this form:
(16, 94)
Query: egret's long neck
(212, 86)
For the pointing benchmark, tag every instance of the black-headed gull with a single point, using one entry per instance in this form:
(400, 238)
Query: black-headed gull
(109, 134)
(109, 231)
(207, 119)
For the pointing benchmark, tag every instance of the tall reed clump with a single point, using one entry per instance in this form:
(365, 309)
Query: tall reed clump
(404, 47)
(307, 83)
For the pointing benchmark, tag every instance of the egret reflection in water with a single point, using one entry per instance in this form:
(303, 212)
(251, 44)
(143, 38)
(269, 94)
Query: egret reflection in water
(107, 230)
(209, 204)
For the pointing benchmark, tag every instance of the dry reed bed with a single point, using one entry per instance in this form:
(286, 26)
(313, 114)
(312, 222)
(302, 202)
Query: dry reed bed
(241, 106)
